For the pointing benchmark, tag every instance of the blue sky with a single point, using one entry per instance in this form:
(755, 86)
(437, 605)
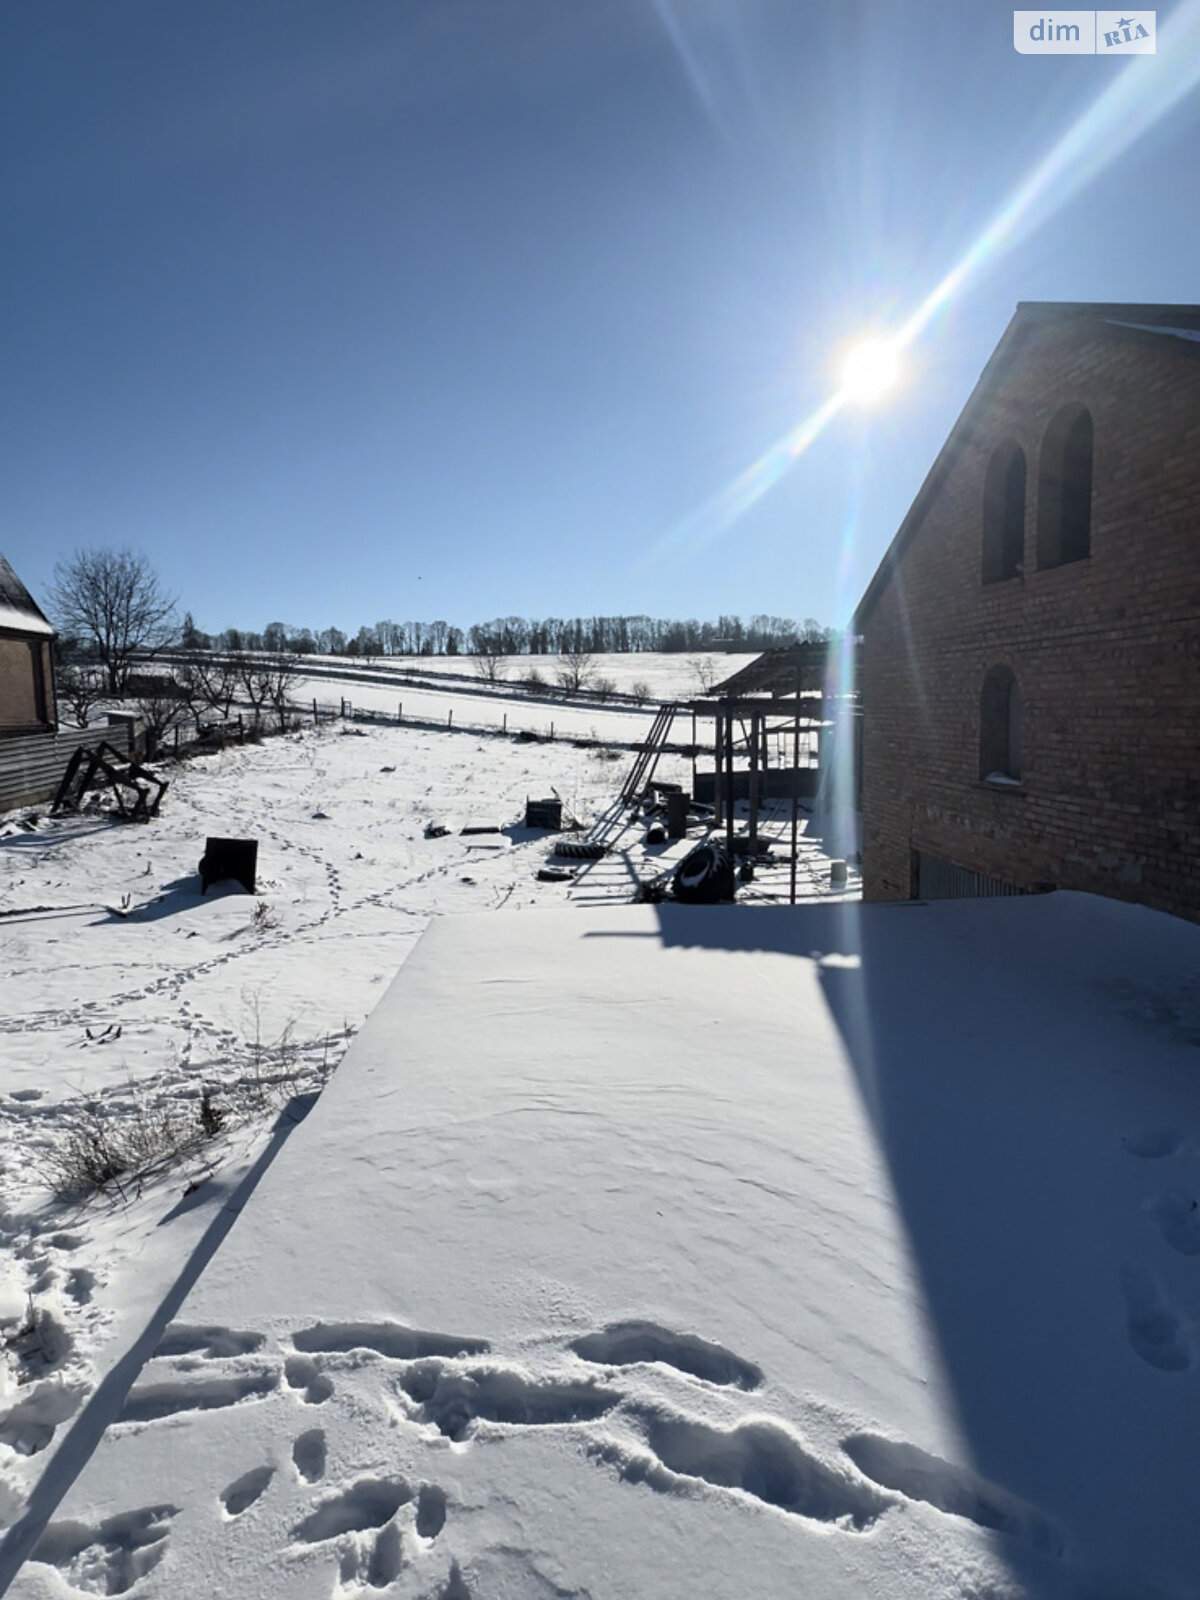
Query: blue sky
(457, 308)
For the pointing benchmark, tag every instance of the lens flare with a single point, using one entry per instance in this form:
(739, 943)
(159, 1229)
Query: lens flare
(1146, 89)
(870, 369)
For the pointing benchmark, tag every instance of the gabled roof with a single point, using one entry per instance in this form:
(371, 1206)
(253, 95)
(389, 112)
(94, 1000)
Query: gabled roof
(18, 610)
(1177, 327)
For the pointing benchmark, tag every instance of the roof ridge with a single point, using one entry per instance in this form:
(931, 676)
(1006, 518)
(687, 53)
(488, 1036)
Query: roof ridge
(16, 598)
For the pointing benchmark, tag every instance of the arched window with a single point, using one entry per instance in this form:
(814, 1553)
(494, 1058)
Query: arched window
(1064, 530)
(1004, 514)
(1000, 727)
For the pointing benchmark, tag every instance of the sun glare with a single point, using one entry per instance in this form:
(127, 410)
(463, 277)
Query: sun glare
(870, 369)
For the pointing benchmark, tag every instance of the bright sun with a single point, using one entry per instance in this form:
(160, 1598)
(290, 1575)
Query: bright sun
(870, 369)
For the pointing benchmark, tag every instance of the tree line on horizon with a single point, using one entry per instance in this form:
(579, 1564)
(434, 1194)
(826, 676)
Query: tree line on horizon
(516, 636)
(115, 619)
(109, 605)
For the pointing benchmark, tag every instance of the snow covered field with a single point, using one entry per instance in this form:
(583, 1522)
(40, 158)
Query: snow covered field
(125, 996)
(449, 687)
(668, 1251)
(477, 705)
(670, 675)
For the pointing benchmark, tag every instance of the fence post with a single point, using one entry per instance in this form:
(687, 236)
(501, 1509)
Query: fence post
(552, 730)
(399, 710)
(314, 708)
(450, 718)
(241, 730)
(504, 728)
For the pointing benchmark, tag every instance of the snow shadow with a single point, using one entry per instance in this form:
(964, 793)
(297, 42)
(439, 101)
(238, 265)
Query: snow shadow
(111, 1396)
(1011, 1055)
(1002, 1079)
(178, 897)
(810, 931)
(58, 830)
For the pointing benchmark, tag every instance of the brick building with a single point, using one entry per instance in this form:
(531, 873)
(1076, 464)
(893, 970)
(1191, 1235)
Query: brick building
(1031, 640)
(26, 666)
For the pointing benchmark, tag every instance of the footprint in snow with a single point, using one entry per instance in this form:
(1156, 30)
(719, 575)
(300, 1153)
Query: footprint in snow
(390, 1339)
(244, 1491)
(29, 1426)
(111, 1556)
(452, 1399)
(759, 1458)
(362, 1507)
(624, 1344)
(365, 1520)
(302, 1374)
(1156, 1330)
(148, 1402)
(1178, 1219)
(308, 1455)
(80, 1284)
(182, 1338)
(958, 1491)
(1151, 1144)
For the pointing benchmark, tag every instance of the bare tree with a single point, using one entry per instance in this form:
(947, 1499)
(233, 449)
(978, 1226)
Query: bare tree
(266, 680)
(79, 688)
(163, 710)
(284, 671)
(113, 598)
(490, 665)
(640, 692)
(576, 668)
(704, 671)
(212, 684)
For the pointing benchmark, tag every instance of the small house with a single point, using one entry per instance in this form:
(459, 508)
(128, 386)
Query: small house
(26, 661)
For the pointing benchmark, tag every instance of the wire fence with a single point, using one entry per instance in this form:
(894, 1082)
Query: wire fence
(194, 736)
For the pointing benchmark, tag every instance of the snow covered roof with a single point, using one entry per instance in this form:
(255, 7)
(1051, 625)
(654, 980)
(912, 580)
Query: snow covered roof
(697, 1253)
(18, 610)
(775, 672)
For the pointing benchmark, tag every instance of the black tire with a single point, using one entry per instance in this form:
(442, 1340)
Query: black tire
(579, 849)
(704, 876)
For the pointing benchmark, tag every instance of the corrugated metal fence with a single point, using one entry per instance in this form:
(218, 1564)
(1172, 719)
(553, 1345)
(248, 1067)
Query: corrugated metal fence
(32, 766)
(942, 880)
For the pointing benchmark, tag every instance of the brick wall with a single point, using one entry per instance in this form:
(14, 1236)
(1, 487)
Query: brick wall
(1106, 650)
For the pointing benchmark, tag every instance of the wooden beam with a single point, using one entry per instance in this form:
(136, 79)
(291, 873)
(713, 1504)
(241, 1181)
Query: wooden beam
(788, 706)
(754, 735)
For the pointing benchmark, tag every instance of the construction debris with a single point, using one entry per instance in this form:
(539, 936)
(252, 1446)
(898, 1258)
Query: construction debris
(136, 790)
(580, 849)
(705, 876)
(544, 814)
